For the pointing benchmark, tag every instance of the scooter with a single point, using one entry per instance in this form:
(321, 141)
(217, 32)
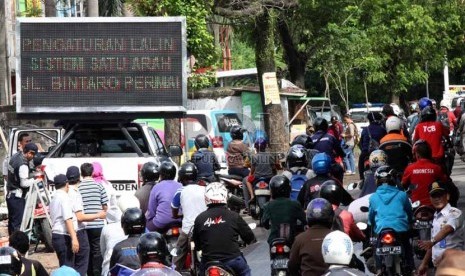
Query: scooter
(262, 196)
(279, 256)
(216, 268)
(171, 236)
(423, 223)
(390, 250)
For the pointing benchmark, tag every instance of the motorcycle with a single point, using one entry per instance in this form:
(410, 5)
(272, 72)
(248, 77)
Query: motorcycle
(279, 256)
(171, 236)
(216, 268)
(262, 196)
(390, 250)
(423, 223)
(233, 183)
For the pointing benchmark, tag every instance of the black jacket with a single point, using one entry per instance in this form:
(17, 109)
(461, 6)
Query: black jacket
(216, 233)
(125, 253)
(311, 190)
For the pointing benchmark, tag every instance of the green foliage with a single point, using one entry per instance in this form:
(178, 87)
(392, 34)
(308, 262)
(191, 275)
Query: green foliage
(200, 41)
(33, 9)
(198, 81)
(243, 55)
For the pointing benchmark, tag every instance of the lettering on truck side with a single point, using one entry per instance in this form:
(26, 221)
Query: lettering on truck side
(125, 186)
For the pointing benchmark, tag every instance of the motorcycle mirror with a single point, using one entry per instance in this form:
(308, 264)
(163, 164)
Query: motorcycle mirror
(174, 252)
(252, 225)
(352, 186)
(364, 209)
(415, 204)
(362, 225)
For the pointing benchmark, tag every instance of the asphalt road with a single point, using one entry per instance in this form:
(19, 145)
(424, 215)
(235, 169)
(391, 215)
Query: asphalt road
(257, 254)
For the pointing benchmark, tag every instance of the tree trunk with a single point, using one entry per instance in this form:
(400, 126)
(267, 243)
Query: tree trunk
(264, 55)
(173, 135)
(295, 62)
(92, 8)
(50, 8)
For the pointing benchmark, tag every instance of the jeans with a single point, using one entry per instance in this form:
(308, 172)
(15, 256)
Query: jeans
(15, 206)
(238, 265)
(95, 257)
(349, 159)
(182, 247)
(62, 246)
(244, 172)
(81, 259)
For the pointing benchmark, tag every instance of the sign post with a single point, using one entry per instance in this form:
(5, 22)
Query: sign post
(270, 88)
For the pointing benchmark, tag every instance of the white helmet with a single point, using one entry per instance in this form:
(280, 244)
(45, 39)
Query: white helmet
(377, 159)
(128, 201)
(337, 248)
(444, 103)
(216, 193)
(393, 123)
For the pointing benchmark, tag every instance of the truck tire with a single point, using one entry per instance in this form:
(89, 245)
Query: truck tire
(46, 234)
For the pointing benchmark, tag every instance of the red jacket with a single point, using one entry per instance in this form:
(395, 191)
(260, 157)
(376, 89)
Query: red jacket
(432, 133)
(422, 173)
(451, 116)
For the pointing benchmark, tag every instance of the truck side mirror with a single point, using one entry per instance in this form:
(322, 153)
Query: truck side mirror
(175, 150)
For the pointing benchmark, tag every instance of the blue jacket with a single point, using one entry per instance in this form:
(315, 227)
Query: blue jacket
(377, 132)
(390, 208)
(327, 143)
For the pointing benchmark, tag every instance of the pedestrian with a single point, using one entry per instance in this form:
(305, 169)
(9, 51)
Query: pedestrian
(94, 198)
(349, 145)
(20, 241)
(81, 259)
(99, 178)
(64, 223)
(336, 128)
(19, 181)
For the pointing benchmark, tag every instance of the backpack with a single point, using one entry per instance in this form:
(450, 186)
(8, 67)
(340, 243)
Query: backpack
(298, 180)
(356, 135)
(337, 221)
(443, 117)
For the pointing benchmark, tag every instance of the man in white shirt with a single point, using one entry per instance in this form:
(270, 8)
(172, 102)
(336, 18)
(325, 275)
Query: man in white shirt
(64, 238)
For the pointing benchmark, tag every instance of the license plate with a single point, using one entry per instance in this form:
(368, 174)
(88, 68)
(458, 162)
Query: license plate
(262, 192)
(279, 263)
(389, 250)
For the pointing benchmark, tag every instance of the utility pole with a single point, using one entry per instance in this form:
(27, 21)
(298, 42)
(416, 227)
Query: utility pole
(5, 74)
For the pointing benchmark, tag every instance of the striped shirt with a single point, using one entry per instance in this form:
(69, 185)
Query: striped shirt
(94, 197)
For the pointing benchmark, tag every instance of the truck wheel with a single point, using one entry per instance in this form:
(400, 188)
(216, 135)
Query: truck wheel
(46, 234)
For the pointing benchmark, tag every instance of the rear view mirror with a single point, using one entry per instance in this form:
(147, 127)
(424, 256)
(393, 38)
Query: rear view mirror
(352, 186)
(175, 150)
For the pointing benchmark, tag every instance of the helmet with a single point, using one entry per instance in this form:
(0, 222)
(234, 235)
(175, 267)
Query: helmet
(331, 191)
(150, 172)
(167, 170)
(385, 174)
(337, 248)
(444, 103)
(133, 221)
(216, 193)
(201, 141)
(37, 160)
(413, 107)
(393, 123)
(237, 132)
(11, 262)
(321, 163)
(303, 140)
(188, 171)
(428, 114)
(126, 201)
(377, 159)
(320, 124)
(424, 102)
(319, 210)
(152, 246)
(280, 186)
(260, 144)
(433, 102)
(296, 157)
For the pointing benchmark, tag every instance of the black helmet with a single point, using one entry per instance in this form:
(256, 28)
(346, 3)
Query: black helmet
(320, 211)
(152, 247)
(11, 264)
(201, 141)
(303, 140)
(385, 174)
(428, 114)
(237, 132)
(187, 171)
(37, 160)
(280, 186)
(331, 191)
(297, 157)
(133, 221)
(150, 172)
(320, 124)
(167, 170)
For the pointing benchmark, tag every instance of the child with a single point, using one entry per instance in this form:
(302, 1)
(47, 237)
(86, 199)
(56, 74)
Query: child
(64, 238)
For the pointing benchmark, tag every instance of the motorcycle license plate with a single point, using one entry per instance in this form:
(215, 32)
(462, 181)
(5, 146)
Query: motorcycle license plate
(260, 192)
(389, 250)
(279, 263)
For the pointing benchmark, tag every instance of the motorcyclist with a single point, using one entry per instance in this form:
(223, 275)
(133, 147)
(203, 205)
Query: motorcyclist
(124, 252)
(306, 142)
(422, 173)
(159, 214)
(377, 159)
(388, 112)
(321, 165)
(306, 257)
(153, 252)
(337, 251)
(282, 211)
(333, 192)
(369, 139)
(413, 118)
(390, 207)
(190, 199)
(396, 145)
(324, 142)
(204, 159)
(448, 114)
(11, 261)
(424, 102)
(237, 153)
(297, 169)
(150, 173)
(217, 229)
